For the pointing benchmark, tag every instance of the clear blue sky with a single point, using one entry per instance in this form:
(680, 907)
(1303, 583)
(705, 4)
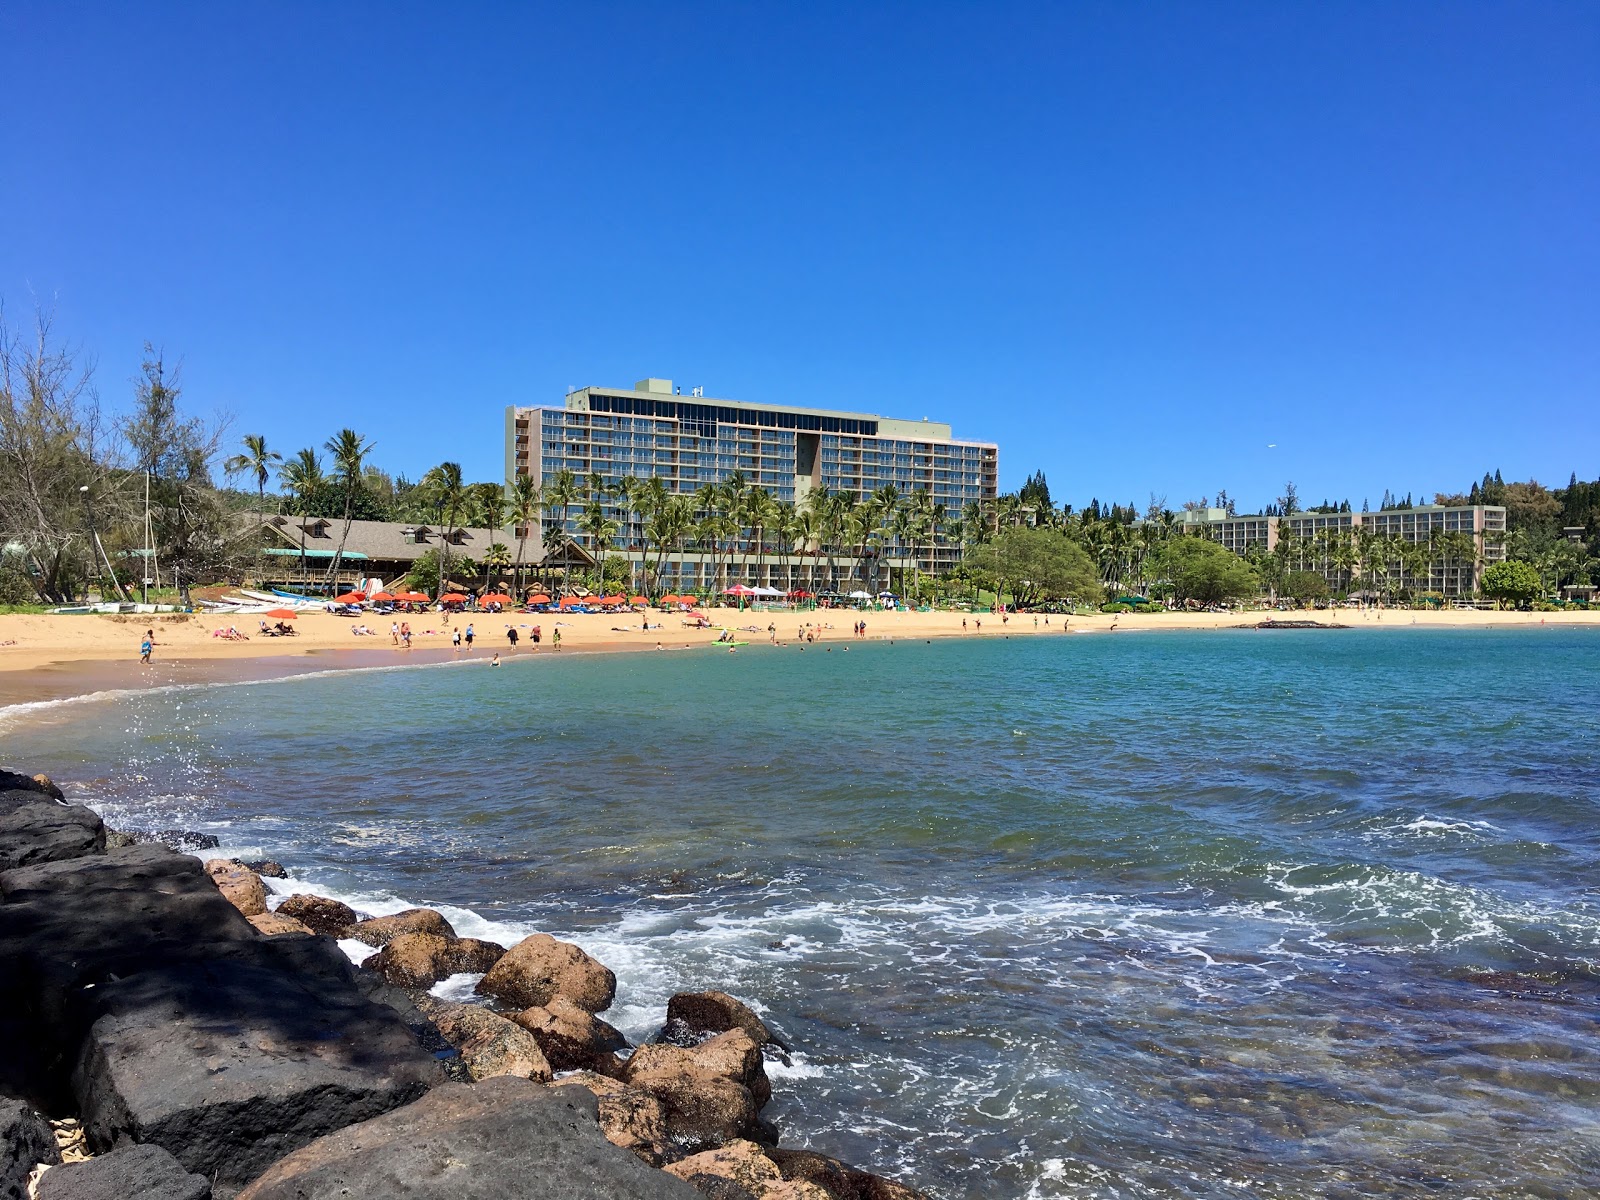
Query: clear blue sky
(1134, 243)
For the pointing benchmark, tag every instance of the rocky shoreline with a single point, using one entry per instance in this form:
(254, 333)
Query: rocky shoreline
(211, 1047)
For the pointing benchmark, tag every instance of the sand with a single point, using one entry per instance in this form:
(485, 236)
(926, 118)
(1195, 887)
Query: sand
(49, 657)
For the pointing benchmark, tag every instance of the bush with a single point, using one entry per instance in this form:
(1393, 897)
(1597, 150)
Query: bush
(1116, 608)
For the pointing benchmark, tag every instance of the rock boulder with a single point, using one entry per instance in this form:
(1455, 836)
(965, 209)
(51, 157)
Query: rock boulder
(25, 1141)
(239, 884)
(319, 914)
(419, 960)
(126, 1173)
(713, 1093)
(500, 1138)
(36, 829)
(539, 968)
(270, 924)
(694, 1016)
(42, 784)
(837, 1179)
(489, 1044)
(745, 1166)
(630, 1117)
(380, 931)
(573, 1038)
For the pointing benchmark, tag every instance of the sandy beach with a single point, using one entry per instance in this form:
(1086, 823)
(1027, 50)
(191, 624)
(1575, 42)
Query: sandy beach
(47, 657)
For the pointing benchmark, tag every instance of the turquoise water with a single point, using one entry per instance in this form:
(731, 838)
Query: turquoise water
(1157, 915)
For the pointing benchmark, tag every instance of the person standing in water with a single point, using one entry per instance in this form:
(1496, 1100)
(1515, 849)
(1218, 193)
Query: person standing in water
(511, 636)
(469, 636)
(555, 639)
(144, 649)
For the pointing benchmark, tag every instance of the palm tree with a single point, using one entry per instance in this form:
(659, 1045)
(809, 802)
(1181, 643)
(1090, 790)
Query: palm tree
(526, 506)
(488, 508)
(448, 493)
(257, 460)
(601, 529)
(348, 450)
(302, 477)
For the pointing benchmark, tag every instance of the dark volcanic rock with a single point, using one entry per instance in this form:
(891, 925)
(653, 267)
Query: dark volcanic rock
(630, 1117)
(42, 784)
(501, 1138)
(692, 1017)
(183, 840)
(232, 1063)
(380, 931)
(319, 914)
(126, 1173)
(37, 829)
(25, 1141)
(267, 868)
(539, 968)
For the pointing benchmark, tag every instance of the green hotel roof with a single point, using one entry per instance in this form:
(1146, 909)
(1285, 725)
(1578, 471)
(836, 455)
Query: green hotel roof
(281, 553)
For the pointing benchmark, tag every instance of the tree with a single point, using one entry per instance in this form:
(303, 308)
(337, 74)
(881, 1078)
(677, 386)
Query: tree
(601, 531)
(1036, 565)
(487, 505)
(1511, 583)
(448, 495)
(1198, 569)
(1305, 587)
(1289, 502)
(256, 460)
(526, 506)
(348, 450)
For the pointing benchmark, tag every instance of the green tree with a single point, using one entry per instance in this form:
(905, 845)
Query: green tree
(527, 504)
(1305, 587)
(1035, 565)
(349, 450)
(1198, 569)
(1511, 583)
(447, 494)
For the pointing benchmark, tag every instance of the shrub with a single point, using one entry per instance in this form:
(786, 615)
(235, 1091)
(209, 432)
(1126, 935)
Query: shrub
(1116, 608)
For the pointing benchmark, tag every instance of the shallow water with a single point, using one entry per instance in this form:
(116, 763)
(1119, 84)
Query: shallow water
(1161, 915)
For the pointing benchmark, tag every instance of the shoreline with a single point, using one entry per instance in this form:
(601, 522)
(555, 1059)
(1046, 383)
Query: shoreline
(52, 658)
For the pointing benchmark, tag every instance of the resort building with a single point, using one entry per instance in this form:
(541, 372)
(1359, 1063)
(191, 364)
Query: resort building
(653, 431)
(1453, 569)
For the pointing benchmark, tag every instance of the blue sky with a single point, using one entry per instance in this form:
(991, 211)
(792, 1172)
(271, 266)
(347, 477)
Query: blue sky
(1146, 247)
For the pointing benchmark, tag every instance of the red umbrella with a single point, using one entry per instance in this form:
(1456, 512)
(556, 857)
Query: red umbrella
(639, 600)
(739, 589)
(411, 597)
(282, 614)
(494, 598)
(452, 598)
(350, 598)
(378, 597)
(539, 598)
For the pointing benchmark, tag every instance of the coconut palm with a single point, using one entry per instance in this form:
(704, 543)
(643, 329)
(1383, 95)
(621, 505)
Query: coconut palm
(487, 507)
(447, 494)
(256, 460)
(302, 478)
(601, 530)
(348, 450)
(527, 504)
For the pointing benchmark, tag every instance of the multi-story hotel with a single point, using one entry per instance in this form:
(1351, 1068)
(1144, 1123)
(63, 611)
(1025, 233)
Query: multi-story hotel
(1484, 524)
(652, 431)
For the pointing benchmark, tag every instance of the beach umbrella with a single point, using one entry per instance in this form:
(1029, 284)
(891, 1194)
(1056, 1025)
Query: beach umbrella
(860, 596)
(411, 597)
(350, 598)
(380, 597)
(640, 600)
(494, 598)
(452, 598)
(538, 598)
(739, 589)
(666, 600)
(282, 614)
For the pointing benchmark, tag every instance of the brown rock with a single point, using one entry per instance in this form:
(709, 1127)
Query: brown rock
(692, 1015)
(420, 960)
(539, 968)
(837, 1179)
(713, 1092)
(381, 930)
(47, 785)
(741, 1162)
(572, 1038)
(489, 1044)
(271, 924)
(794, 1189)
(241, 886)
(630, 1117)
(319, 914)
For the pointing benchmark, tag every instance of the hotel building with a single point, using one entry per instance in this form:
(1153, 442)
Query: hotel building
(1485, 524)
(653, 431)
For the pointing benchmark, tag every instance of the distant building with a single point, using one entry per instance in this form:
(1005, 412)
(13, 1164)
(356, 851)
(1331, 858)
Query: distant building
(652, 431)
(1315, 534)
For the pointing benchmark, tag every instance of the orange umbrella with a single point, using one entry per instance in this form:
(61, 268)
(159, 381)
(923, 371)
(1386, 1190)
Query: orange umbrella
(350, 598)
(539, 598)
(282, 614)
(639, 600)
(495, 598)
(452, 598)
(669, 600)
(378, 597)
(411, 597)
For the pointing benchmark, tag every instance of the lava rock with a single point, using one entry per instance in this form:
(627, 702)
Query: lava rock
(538, 968)
(419, 960)
(713, 1093)
(239, 884)
(267, 868)
(232, 1063)
(42, 784)
(271, 924)
(499, 1138)
(630, 1117)
(692, 1017)
(319, 914)
(25, 1141)
(380, 931)
(573, 1038)
(37, 829)
(185, 841)
(838, 1179)
(745, 1166)
(489, 1045)
(126, 1173)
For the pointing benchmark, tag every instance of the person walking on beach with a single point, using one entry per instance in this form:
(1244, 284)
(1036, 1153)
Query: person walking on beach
(469, 637)
(963, 624)
(555, 639)
(537, 635)
(455, 640)
(405, 634)
(394, 632)
(511, 636)
(144, 649)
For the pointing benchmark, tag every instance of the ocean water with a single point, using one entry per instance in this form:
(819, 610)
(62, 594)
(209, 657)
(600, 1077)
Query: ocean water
(1222, 914)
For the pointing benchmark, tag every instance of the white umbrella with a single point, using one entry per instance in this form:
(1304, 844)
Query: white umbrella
(861, 595)
(768, 591)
